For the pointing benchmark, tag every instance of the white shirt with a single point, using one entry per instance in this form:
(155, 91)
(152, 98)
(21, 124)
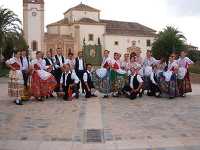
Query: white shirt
(52, 62)
(152, 78)
(71, 62)
(80, 62)
(125, 65)
(172, 65)
(106, 60)
(138, 78)
(116, 62)
(73, 77)
(14, 60)
(25, 63)
(184, 62)
(85, 76)
(40, 62)
(149, 61)
(60, 60)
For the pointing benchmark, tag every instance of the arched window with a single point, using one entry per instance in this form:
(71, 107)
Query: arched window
(34, 46)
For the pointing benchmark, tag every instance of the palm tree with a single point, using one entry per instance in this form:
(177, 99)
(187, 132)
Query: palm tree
(11, 36)
(168, 41)
(9, 22)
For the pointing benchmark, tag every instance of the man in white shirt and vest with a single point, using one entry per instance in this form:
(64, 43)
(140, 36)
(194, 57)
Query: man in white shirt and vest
(80, 68)
(88, 83)
(25, 61)
(69, 83)
(59, 62)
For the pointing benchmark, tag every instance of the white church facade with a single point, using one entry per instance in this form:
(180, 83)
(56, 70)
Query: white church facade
(82, 24)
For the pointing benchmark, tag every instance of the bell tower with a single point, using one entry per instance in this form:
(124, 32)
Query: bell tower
(33, 24)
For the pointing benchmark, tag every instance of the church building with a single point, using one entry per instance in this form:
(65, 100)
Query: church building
(81, 25)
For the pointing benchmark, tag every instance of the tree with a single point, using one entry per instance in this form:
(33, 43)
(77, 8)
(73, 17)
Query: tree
(13, 42)
(11, 37)
(9, 22)
(169, 40)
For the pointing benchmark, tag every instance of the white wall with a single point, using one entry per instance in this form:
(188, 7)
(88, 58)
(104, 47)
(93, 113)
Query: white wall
(96, 30)
(35, 25)
(69, 16)
(53, 29)
(124, 42)
(77, 15)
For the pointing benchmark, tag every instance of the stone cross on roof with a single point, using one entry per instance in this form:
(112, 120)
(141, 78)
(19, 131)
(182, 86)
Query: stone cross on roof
(34, 1)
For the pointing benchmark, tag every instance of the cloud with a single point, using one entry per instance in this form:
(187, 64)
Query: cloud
(185, 7)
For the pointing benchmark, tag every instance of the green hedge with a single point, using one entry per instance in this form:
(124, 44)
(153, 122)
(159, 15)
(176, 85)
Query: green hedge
(195, 68)
(4, 71)
(194, 55)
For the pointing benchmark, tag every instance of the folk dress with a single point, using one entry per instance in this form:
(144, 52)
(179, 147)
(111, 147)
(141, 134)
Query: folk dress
(42, 82)
(184, 83)
(168, 81)
(16, 81)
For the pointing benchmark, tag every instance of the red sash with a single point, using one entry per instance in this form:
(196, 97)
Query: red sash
(36, 67)
(106, 65)
(115, 66)
(16, 66)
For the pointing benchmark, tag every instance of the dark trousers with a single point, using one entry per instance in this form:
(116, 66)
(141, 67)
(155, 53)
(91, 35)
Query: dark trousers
(74, 89)
(25, 77)
(88, 92)
(153, 90)
(57, 74)
(80, 73)
(133, 95)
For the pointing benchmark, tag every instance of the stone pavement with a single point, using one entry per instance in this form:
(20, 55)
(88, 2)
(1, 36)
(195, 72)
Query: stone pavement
(101, 124)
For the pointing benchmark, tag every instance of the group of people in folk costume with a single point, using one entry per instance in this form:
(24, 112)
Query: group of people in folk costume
(43, 76)
(133, 75)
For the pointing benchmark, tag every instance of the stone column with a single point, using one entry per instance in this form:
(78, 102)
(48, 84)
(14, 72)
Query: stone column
(77, 46)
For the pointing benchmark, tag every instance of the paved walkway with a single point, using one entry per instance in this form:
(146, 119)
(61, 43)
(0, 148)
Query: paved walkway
(101, 124)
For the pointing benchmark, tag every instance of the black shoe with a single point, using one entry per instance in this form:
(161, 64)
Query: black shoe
(140, 95)
(18, 102)
(93, 95)
(157, 94)
(87, 96)
(51, 95)
(115, 95)
(182, 95)
(41, 99)
(105, 96)
(77, 96)
(65, 99)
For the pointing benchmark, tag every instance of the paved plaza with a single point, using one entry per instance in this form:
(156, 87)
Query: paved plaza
(101, 124)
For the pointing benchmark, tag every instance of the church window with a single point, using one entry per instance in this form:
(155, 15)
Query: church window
(91, 37)
(34, 46)
(116, 43)
(148, 42)
(133, 43)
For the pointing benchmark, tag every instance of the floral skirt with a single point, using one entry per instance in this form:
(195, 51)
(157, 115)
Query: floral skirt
(40, 87)
(102, 84)
(184, 84)
(170, 88)
(118, 81)
(15, 84)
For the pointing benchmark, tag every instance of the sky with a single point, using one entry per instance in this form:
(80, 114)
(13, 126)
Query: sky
(156, 14)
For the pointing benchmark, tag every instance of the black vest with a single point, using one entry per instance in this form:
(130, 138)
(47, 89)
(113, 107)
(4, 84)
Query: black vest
(48, 63)
(76, 67)
(89, 80)
(21, 58)
(135, 82)
(155, 77)
(68, 81)
(57, 60)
